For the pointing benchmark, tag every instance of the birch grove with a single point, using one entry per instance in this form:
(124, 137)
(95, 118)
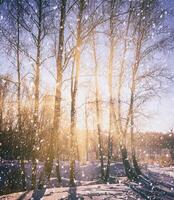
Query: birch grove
(77, 81)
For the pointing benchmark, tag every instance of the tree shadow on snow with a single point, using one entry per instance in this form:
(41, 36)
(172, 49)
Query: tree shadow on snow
(23, 195)
(38, 193)
(72, 193)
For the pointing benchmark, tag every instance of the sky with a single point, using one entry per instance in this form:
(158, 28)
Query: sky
(160, 111)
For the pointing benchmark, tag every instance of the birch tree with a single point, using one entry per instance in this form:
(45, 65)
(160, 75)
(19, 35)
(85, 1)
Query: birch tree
(140, 34)
(54, 151)
(97, 102)
(38, 27)
(112, 43)
(74, 88)
(14, 18)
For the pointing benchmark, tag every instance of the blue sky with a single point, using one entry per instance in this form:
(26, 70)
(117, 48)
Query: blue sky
(160, 110)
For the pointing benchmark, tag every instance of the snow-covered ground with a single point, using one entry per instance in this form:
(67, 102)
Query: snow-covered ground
(88, 185)
(95, 192)
(168, 171)
(85, 174)
(162, 174)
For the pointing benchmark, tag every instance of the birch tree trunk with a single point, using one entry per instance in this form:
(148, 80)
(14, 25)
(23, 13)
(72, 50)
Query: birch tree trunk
(135, 68)
(57, 108)
(37, 91)
(87, 131)
(54, 149)
(110, 72)
(123, 129)
(134, 159)
(19, 94)
(100, 146)
(74, 90)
